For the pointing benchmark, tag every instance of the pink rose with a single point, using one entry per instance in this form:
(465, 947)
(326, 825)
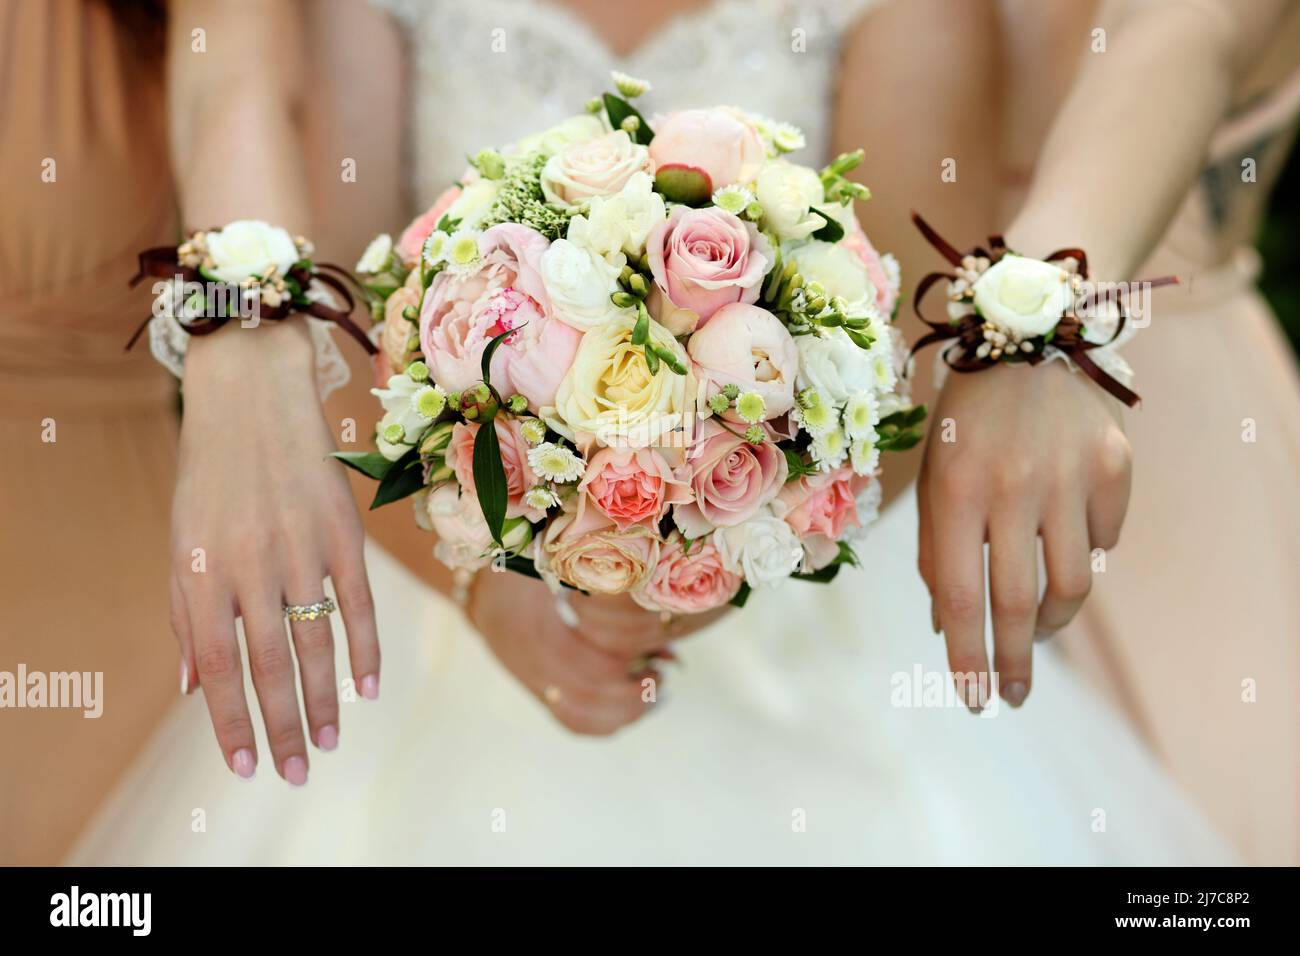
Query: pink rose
(731, 479)
(750, 348)
(688, 580)
(462, 313)
(886, 287)
(411, 244)
(583, 549)
(594, 167)
(633, 486)
(716, 141)
(703, 259)
(821, 508)
(514, 456)
(463, 535)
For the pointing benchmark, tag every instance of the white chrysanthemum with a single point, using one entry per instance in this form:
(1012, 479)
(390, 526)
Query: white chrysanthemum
(462, 250)
(402, 424)
(556, 462)
(435, 247)
(864, 456)
(734, 199)
(751, 407)
(534, 430)
(787, 138)
(815, 415)
(375, 258)
(541, 497)
(429, 402)
(829, 450)
(861, 413)
(629, 86)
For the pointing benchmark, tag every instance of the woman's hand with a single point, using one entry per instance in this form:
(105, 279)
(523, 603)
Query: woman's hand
(1015, 453)
(619, 625)
(261, 516)
(590, 688)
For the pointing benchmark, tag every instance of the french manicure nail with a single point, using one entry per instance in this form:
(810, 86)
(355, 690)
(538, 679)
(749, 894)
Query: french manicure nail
(295, 771)
(328, 738)
(370, 687)
(243, 763)
(934, 617)
(185, 677)
(1015, 693)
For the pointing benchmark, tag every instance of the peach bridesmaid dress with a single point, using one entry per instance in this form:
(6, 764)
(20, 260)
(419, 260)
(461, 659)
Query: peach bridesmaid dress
(1194, 626)
(88, 432)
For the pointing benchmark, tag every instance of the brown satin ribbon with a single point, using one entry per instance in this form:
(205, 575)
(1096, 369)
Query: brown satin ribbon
(968, 330)
(160, 263)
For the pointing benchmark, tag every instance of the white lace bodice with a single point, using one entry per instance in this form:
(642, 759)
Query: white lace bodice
(485, 72)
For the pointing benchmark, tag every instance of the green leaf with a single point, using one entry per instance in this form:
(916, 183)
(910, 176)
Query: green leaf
(490, 478)
(831, 232)
(823, 576)
(404, 478)
(906, 417)
(521, 565)
(490, 350)
(741, 596)
(619, 109)
(369, 463)
(688, 185)
(798, 468)
(900, 442)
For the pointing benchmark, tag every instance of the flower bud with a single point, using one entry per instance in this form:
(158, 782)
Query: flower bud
(490, 164)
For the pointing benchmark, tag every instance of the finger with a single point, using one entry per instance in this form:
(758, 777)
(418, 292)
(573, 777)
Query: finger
(606, 713)
(925, 550)
(1069, 575)
(959, 595)
(1013, 593)
(220, 671)
(313, 642)
(271, 663)
(352, 586)
(1108, 502)
(180, 620)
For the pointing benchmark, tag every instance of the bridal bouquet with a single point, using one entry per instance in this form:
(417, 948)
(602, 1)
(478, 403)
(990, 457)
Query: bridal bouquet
(640, 356)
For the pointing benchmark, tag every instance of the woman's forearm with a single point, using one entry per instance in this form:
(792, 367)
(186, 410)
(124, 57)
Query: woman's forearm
(1132, 135)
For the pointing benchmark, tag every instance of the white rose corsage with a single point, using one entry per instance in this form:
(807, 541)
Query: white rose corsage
(1005, 307)
(247, 271)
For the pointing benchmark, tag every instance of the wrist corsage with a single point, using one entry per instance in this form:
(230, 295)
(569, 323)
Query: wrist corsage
(246, 271)
(1005, 307)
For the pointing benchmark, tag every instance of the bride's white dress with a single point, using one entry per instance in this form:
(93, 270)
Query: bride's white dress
(785, 736)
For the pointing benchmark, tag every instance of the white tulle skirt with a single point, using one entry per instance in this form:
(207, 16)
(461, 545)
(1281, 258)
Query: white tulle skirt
(788, 734)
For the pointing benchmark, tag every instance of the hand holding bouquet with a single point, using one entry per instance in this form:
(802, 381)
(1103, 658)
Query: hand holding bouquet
(642, 357)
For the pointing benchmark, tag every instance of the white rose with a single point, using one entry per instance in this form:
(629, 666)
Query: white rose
(575, 129)
(786, 192)
(597, 167)
(376, 255)
(1025, 297)
(250, 247)
(474, 202)
(830, 362)
(839, 271)
(610, 392)
(619, 224)
(579, 284)
(764, 550)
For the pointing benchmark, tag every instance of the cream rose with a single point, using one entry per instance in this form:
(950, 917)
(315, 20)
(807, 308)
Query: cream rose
(248, 247)
(579, 283)
(597, 167)
(765, 550)
(840, 272)
(787, 192)
(610, 393)
(1025, 297)
(617, 225)
(575, 129)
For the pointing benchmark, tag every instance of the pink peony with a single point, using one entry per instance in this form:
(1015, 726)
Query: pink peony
(688, 580)
(731, 479)
(703, 259)
(750, 348)
(514, 456)
(633, 486)
(717, 142)
(821, 508)
(886, 288)
(411, 244)
(462, 313)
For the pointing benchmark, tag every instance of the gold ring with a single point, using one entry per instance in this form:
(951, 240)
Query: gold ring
(551, 694)
(310, 612)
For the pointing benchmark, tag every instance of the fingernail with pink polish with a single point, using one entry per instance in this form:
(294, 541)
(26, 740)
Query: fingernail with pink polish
(243, 763)
(295, 771)
(185, 677)
(1015, 693)
(328, 737)
(370, 687)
